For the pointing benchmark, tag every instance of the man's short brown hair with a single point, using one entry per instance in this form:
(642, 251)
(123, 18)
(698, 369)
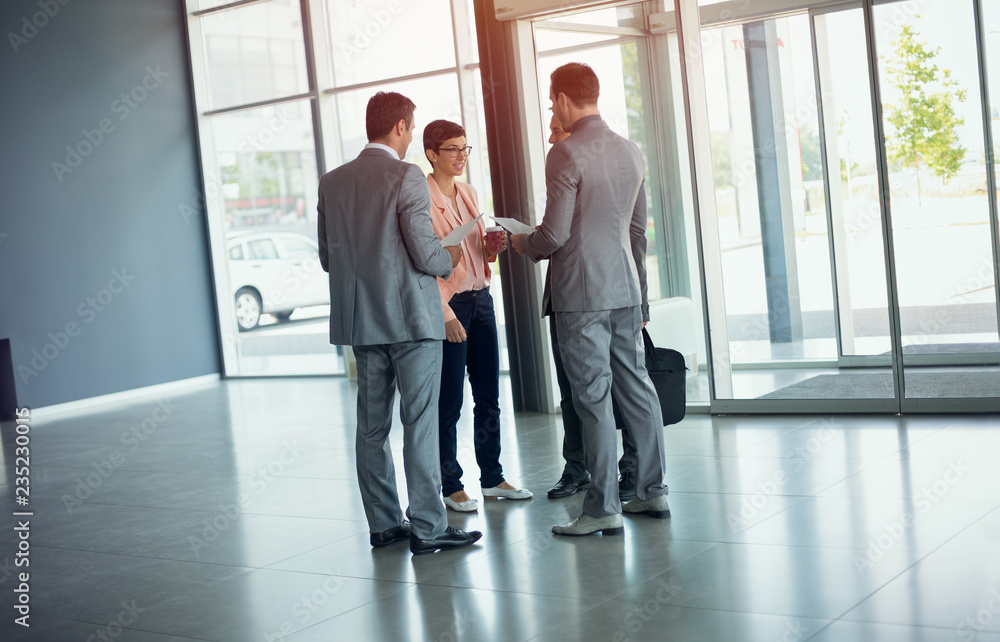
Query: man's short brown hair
(578, 81)
(385, 109)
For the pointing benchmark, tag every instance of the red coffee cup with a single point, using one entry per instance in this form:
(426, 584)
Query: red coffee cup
(494, 239)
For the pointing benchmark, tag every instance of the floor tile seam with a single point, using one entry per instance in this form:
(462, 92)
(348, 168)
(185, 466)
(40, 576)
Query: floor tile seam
(791, 545)
(911, 626)
(102, 625)
(820, 630)
(806, 497)
(766, 441)
(739, 543)
(526, 431)
(314, 478)
(807, 458)
(692, 471)
(779, 435)
(874, 463)
(311, 550)
(500, 547)
(559, 624)
(327, 542)
(744, 612)
(313, 517)
(404, 583)
(213, 511)
(911, 444)
(858, 472)
(146, 469)
(801, 498)
(245, 569)
(911, 566)
(828, 621)
(273, 513)
(714, 544)
(705, 492)
(831, 548)
(506, 591)
(238, 477)
(351, 610)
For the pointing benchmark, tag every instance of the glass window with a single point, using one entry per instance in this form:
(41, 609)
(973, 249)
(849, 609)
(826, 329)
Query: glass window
(295, 249)
(629, 104)
(267, 165)
(388, 39)
(263, 173)
(435, 97)
(262, 249)
(254, 53)
(932, 113)
(549, 40)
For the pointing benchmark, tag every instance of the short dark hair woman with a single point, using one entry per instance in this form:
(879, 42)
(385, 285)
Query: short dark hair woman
(470, 325)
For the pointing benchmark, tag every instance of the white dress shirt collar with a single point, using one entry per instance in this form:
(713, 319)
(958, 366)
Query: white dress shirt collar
(385, 147)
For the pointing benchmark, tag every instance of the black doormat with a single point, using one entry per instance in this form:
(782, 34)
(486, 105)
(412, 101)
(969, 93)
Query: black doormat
(949, 348)
(919, 385)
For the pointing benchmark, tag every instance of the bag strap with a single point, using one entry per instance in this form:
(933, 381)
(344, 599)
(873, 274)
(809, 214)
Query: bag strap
(647, 341)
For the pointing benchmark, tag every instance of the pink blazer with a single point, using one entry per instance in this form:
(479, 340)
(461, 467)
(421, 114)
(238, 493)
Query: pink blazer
(444, 222)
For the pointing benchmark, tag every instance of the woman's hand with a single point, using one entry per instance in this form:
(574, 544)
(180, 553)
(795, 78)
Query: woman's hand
(454, 331)
(503, 247)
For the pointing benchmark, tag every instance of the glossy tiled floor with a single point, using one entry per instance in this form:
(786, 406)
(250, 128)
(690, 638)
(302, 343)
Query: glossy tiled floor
(232, 513)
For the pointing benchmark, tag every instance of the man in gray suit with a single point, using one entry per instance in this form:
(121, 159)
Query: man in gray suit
(575, 476)
(594, 235)
(377, 243)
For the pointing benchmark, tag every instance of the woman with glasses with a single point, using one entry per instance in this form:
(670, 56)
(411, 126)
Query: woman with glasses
(470, 325)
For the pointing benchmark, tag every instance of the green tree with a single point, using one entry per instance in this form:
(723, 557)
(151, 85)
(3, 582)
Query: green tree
(722, 160)
(812, 155)
(848, 168)
(924, 124)
(633, 94)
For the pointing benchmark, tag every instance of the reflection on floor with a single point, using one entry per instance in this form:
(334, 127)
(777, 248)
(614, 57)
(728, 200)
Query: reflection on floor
(232, 513)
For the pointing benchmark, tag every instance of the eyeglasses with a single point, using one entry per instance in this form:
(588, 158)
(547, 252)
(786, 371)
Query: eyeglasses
(455, 151)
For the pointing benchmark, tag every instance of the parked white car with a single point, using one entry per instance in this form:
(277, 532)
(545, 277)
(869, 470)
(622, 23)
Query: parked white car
(274, 273)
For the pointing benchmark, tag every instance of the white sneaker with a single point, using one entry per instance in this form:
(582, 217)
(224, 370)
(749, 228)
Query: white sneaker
(470, 506)
(509, 493)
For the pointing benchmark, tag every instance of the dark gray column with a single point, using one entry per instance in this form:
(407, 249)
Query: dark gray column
(777, 227)
(521, 300)
(8, 393)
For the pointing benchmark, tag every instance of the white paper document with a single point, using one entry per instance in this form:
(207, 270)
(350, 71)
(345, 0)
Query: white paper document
(455, 236)
(513, 225)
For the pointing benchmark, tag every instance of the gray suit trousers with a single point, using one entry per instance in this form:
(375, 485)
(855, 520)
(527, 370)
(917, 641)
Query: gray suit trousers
(380, 368)
(603, 350)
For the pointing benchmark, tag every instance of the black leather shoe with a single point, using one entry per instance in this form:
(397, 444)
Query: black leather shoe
(391, 536)
(451, 538)
(566, 486)
(626, 486)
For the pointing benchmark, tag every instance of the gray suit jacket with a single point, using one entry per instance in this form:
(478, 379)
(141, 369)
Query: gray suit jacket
(377, 243)
(594, 228)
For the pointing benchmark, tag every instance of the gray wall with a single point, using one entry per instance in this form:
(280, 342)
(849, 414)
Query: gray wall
(70, 239)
